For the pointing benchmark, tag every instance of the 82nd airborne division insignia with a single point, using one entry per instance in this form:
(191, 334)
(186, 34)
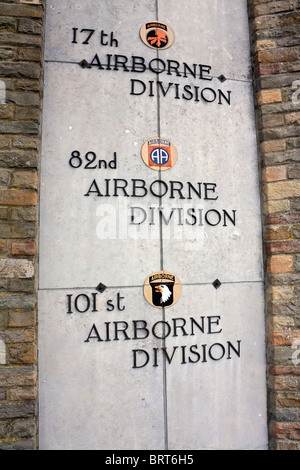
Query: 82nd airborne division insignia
(162, 289)
(159, 154)
(157, 35)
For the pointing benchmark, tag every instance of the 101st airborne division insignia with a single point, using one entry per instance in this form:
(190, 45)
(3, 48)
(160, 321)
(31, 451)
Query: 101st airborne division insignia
(162, 289)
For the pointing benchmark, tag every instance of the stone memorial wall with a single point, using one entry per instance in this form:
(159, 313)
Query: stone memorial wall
(142, 284)
(151, 277)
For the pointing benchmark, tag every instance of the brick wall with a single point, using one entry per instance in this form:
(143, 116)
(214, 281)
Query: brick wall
(275, 34)
(21, 27)
(275, 27)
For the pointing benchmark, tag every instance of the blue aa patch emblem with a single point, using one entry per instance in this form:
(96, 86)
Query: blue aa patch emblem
(159, 154)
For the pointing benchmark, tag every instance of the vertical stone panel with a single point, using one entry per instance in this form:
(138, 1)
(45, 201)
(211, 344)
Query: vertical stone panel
(110, 220)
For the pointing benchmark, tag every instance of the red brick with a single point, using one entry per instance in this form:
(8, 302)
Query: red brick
(282, 246)
(284, 338)
(267, 69)
(27, 248)
(284, 370)
(277, 219)
(285, 430)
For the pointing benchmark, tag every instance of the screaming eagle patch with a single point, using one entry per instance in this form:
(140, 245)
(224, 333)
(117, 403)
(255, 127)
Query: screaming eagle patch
(162, 289)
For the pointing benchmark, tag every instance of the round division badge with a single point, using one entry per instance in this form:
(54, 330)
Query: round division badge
(162, 289)
(159, 154)
(157, 35)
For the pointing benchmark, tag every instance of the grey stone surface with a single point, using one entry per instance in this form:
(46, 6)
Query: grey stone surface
(217, 147)
(220, 400)
(207, 391)
(210, 24)
(217, 29)
(122, 18)
(88, 112)
(90, 395)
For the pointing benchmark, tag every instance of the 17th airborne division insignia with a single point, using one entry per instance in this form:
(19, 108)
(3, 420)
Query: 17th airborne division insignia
(157, 35)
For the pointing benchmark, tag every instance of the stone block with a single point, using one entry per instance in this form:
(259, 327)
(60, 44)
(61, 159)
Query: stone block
(11, 268)
(2, 352)
(19, 337)
(23, 428)
(283, 246)
(273, 146)
(23, 354)
(292, 118)
(30, 54)
(6, 111)
(27, 113)
(280, 264)
(24, 214)
(15, 197)
(14, 301)
(25, 142)
(21, 318)
(3, 245)
(24, 179)
(7, 53)
(272, 7)
(269, 96)
(19, 127)
(282, 189)
(8, 25)
(272, 120)
(18, 39)
(277, 232)
(20, 70)
(27, 248)
(28, 25)
(18, 376)
(284, 54)
(4, 177)
(23, 99)
(17, 411)
(21, 285)
(4, 141)
(28, 394)
(21, 11)
(267, 69)
(275, 173)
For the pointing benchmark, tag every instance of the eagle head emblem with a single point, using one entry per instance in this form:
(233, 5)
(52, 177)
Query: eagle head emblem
(162, 291)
